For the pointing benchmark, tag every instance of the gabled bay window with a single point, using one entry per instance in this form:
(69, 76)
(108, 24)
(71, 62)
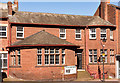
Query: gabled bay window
(3, 31)
(103, 33)
(20, 32)
(92, 33)
(62, 33)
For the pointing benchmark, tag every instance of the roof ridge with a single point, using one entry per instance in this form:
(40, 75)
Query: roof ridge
(53, 13)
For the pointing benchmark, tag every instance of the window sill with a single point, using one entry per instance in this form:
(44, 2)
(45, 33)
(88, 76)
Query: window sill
(101, 63)
(15, 66)
(50, 66)
(92, 39)
(3, 36)
(112, 39)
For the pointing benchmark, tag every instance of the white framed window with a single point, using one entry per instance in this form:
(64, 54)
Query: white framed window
(78, 34)
(46, 50)
(95, 56)
(57, 51)
(51, 59)
(39, 51)
(92, 33)
(39, 59)
(90, 56)
(57, 59)
(20, 32)
(51, 50)
(3, 31)
(19, 61)
(111, 34)
(63, 59)
(4, 58)
(103, 33)
(111, 55)
(46, 59)
(63, 51)
(62, 33)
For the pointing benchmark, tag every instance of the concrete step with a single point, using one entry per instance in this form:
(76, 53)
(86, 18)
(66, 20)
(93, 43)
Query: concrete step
(83, 76)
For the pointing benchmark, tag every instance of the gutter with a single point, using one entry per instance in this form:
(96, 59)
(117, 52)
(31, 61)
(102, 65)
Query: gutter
(62, 25)
(41, 45)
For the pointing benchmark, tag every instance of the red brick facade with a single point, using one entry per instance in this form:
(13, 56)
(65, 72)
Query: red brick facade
(28, 68)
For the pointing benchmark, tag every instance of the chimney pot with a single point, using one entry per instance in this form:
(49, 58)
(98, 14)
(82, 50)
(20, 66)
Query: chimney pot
(9, 8)
(16, 3)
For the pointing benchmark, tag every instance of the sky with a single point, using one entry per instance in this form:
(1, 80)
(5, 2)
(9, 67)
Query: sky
(83, 7)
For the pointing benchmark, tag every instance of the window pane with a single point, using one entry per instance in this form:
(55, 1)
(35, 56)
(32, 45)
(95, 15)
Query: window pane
(93, 30)
(4, 62)
(63, 59)
(46, 51)
(78, 31)
(51, 59)
(52, 50)
(18, 59)
(39, 59)
(57, 59)
(4, 55)
(18, 52)
(39, 51)
(2, 33)
(90, 58)
(78, 36)
(46, 59)
(19, 28)
(95, 52)
(62, 30)
(93, 35)
(103, 35)
(19, 34)
(2, 28)
(63, 51)
(95, 58)
(62, 35)
(90, 52)
(57, 51)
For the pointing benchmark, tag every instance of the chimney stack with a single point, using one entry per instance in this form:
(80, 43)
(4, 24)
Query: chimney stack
(9, 8)
(104, 9)
(16, 3)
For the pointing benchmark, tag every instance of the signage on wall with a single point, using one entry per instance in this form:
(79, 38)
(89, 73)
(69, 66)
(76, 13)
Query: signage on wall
(70, 70)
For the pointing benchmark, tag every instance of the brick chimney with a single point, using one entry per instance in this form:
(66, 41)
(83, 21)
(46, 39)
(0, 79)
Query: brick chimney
(9, 8)
(104, 9)
(16, 3)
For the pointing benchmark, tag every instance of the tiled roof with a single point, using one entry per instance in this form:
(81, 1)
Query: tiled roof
(114, 6)
(42, 38)
(61, 19)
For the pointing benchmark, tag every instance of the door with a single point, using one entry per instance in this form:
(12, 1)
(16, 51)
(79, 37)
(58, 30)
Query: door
(119, 69)
(79, 60)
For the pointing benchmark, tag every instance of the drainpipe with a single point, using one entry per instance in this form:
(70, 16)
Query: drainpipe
(86, 48)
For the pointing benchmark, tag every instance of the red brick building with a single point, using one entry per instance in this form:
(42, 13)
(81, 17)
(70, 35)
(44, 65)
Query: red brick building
(111, 13)
(44, 46)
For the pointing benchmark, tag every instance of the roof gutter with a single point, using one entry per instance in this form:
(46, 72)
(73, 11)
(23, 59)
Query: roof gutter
(48, 24)
(41, 45)
(102, 25)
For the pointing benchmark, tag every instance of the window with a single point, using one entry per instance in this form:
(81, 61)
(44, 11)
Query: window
(101, 52)
(111, 34)
(39, 59)
(63, 59)
(62, 33)
(52, 51)
(57, 59)
(13, 60)
(63, 51)
(39, 51)
(90, 56)
(95, 56)
(51, 59)
(78, 34)
(103, 33)
(20, 32)
(3, 31)
(46, 59)
(111, 55)
(3, 57)
(57, 51)
(18, 57)
(46, 51)
(92, 33)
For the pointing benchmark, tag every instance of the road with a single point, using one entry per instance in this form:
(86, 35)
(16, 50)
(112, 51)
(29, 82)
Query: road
(62, 82)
